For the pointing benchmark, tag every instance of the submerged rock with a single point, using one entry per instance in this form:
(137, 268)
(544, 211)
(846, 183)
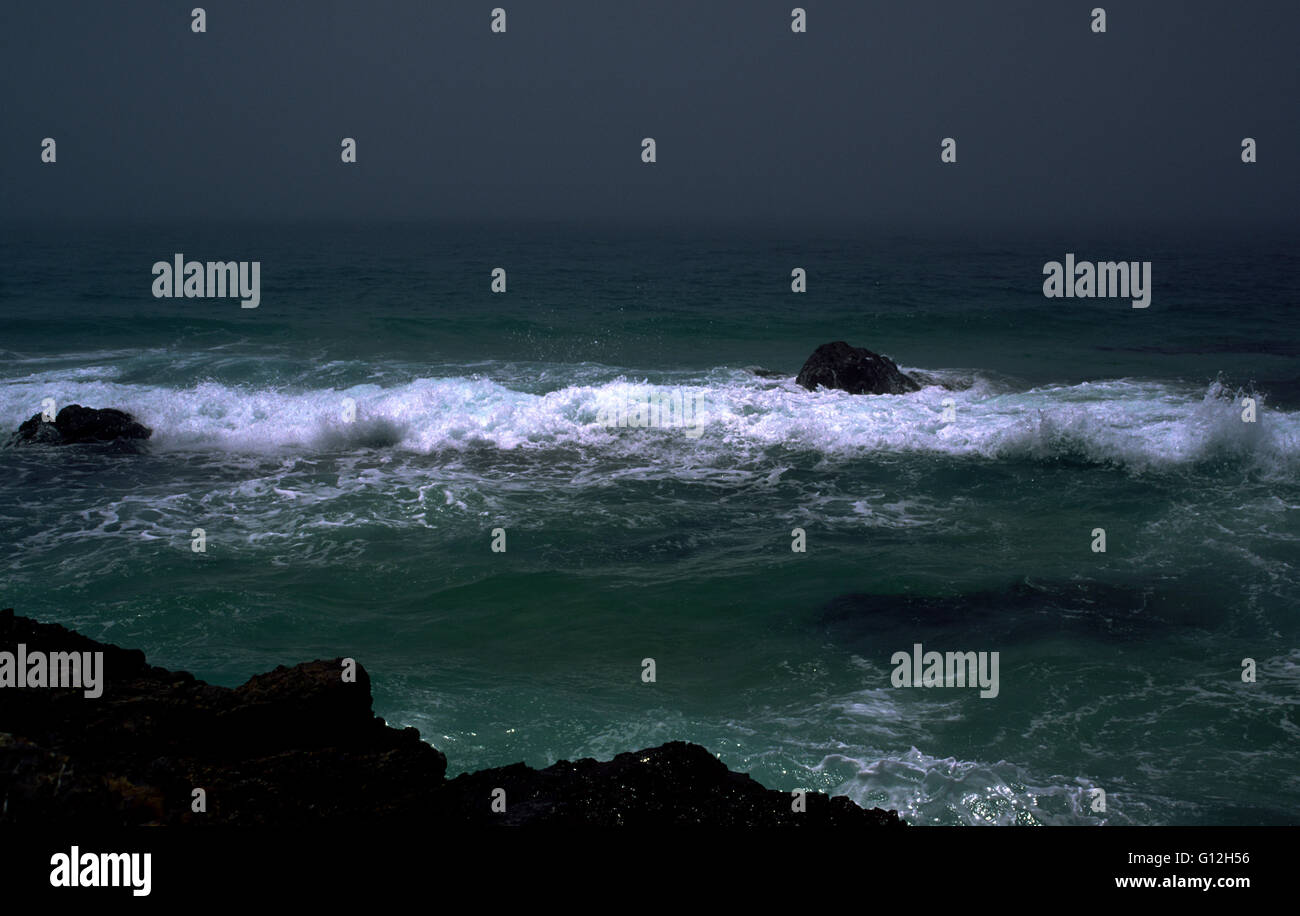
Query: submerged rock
(948, 380)
(300, 745)
(75, 423)
(853, 369)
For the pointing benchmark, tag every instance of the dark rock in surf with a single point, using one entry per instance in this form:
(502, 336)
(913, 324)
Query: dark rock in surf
(36, 432)
(853, 369)
(75, 423)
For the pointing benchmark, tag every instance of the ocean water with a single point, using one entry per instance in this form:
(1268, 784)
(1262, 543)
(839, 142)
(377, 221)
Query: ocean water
(960, 516)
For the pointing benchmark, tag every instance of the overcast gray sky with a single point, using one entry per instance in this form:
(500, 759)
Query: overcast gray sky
(754, 124)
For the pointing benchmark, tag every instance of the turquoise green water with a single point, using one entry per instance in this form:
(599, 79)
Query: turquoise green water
(967, 532)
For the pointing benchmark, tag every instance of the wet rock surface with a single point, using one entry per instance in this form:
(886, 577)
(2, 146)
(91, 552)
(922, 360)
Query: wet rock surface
(856, 370)
(75, 423)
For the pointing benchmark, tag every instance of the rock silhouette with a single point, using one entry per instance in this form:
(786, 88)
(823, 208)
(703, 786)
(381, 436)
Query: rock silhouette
(853, 369)
(75, 423)
(300, 746)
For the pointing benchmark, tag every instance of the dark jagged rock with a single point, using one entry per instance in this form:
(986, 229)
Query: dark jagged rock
(675, 783)
(298, 746)
(75, 423)
(853, 369)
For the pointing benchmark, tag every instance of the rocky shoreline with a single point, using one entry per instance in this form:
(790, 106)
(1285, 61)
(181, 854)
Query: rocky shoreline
(301, 746)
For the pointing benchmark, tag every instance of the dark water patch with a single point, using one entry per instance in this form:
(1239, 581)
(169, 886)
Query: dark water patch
(1022, 612)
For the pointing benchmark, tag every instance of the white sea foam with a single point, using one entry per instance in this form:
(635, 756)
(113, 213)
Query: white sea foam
(1135, 424)
(925, 790)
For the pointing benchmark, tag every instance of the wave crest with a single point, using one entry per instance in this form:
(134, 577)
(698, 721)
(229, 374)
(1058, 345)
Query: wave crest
(1139, 425)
